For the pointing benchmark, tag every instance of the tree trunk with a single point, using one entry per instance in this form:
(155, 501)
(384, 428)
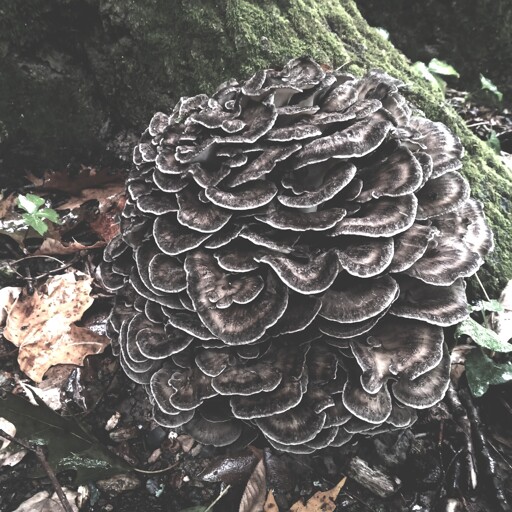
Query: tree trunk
(80, 79)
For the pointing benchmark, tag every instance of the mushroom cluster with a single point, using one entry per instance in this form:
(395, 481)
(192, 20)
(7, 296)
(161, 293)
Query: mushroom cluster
(291, 249)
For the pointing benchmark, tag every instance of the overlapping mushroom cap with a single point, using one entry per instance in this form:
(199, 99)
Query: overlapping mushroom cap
(291, 249)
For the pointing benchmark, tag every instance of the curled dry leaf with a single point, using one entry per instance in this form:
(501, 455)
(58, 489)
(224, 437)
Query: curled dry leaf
(253, 497)
(324, 501)
(53, 246)
(8, 296)
(43, 326)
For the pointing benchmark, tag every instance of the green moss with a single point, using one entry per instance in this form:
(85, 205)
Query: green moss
(139, 56)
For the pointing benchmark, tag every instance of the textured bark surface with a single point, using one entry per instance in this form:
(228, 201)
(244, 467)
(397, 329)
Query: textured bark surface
(80, 79)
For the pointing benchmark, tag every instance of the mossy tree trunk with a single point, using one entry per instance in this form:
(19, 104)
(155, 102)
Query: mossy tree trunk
(79, 79)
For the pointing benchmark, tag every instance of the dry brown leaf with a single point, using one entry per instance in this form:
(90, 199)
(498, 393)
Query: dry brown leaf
(106, 225)
(7, 205)
(52, 246)
(8, 296)
(43, 326)
(321, 501)
(87, 177)
(253, 497)
(107, 196)
(270, 504)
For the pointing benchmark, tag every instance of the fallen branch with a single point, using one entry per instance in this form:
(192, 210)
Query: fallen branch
(488, 463)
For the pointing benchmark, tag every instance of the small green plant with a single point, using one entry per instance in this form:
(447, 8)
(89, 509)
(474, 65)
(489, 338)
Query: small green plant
(490, 88)
(494, 142)
(435, 72)
(481, 370)
(37, 216)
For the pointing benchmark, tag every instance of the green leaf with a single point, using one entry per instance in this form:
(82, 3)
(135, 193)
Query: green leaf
(481, 371)
(35, 222)
(422, 69)
(494, 142)
(70, 445)
(487, 305)
(487, 85)
(482, 336)
(50, 214)
(30, 203)
(440, 67)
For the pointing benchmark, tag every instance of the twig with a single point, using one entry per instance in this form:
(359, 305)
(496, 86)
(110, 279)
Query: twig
(461, 417)
(218, 498)
(480, 123)
(63, 266)
(156, 471)
(47, 468)
(482, 286)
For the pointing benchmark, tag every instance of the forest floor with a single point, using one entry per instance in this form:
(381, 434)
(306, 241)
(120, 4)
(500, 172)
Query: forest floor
(457, 456)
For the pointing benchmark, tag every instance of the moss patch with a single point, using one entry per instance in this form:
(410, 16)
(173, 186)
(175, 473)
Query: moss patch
(139, 56)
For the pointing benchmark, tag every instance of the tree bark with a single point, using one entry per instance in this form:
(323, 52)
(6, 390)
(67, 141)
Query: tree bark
(80, 79)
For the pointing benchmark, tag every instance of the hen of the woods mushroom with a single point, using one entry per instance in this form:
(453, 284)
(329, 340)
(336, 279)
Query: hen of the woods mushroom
(291, 249)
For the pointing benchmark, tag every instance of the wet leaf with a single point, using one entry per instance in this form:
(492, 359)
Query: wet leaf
(43, 326)
(487, 85)
(70, 446)
(43, 502)
(482, 371)
(230, 470)
(482, 336)
(321, 501)
(255, 491)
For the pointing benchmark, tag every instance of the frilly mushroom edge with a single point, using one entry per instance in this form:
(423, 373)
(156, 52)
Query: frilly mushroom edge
(291, 250)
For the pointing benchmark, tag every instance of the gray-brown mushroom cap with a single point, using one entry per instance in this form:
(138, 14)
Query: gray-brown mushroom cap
(240, 323)
(291, 249)
(397, 348)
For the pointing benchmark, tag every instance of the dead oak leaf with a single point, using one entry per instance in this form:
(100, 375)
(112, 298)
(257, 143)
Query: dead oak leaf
(321, 501)
(253, 497)
(43, 326)
(52, 246)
